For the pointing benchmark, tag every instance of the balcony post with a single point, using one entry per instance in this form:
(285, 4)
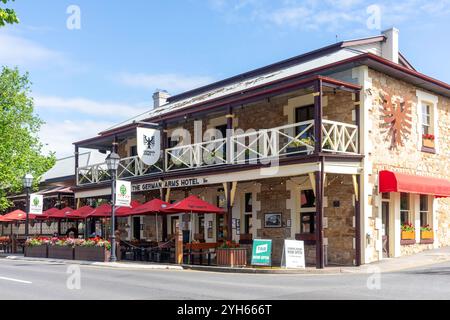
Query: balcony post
(358, 119)
(164, 142)
(320, 258)
(76, 154)
(229, 147)
(318, 116)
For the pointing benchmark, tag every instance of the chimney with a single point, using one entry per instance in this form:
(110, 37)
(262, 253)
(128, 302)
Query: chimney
(160, 98)
(389, 48)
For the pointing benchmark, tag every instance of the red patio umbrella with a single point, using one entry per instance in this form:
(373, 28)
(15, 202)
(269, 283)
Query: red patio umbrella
(82, 212)
(104, 211)
(193, 204)
(48, 213)
(18, 215)
(3, 219)
(64, 213)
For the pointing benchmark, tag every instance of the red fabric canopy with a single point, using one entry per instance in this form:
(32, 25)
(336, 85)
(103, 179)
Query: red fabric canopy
(193, 204)
(150, 207)
(18, 215)
(104, 211)
(65, 213)
(400, 182)
(3, 219)
(48, 213)
(82, 212)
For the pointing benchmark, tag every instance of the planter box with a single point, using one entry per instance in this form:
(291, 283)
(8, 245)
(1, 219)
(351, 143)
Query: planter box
(428, 143)
(236, 257)
(408, 235)
(60, 252)
(36, 251)
(92, 254)
(426, 235)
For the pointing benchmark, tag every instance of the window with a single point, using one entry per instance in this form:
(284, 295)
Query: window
(424, 211)
(133, 151)
(248, 202)
(304, 114)
(308, 199)
(307, 222)
(248, 223)
(426, 119)
(404, 208)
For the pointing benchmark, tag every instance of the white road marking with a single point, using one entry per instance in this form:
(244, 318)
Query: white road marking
(15, 280)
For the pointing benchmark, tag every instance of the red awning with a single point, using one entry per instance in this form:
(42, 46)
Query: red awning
(401, 182)
(193, 204)
(18, 215)
(150, 207)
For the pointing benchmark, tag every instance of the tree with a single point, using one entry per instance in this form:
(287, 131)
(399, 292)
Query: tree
(7, 15)
(20, 148)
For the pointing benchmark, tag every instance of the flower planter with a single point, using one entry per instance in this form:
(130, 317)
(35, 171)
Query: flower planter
(36, 251)
(92, 254)
(408, 235)
(60, 252)
(426, 235)
(428, 143)
(233, 257)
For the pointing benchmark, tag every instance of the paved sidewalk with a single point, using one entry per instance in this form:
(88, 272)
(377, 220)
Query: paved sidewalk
(425, 258)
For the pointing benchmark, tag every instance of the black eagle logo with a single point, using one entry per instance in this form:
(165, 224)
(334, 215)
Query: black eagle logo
(150, 142)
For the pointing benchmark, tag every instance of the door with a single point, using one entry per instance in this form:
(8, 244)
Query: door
(137, 228)
(385, 228)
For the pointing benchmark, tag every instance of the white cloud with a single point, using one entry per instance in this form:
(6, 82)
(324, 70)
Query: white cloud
(171, 82)
(16, 50)
(85, 106)
(59, 136)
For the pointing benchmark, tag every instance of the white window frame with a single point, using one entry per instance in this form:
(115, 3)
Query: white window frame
(431, 100)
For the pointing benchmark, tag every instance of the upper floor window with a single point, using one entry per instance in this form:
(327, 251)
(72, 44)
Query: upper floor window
(428, 122)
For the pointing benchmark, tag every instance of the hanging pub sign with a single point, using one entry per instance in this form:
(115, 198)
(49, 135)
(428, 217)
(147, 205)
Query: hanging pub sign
(36, 203)
(123, 193)
(262, 252)
(148, 145)
(293, 254)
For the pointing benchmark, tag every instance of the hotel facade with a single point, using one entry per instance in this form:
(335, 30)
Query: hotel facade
(346, 148)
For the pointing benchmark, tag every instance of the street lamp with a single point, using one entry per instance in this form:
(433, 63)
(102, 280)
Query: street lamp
(112, 162)
(27, 181)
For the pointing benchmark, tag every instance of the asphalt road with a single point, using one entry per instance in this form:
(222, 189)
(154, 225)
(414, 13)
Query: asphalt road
(38, 280)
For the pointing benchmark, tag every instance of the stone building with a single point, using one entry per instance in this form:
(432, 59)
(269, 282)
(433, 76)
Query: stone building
(339, 147)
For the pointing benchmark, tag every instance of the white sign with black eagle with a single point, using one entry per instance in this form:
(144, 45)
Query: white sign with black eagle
(148, 145)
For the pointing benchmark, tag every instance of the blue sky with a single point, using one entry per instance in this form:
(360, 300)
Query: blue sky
(88, 79)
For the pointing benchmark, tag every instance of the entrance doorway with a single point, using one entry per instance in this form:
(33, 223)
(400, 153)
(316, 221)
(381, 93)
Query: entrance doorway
(385, 227)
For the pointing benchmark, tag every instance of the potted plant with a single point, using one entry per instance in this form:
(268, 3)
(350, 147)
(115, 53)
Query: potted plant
(61, 248)
(408, 231)
(428, 140)
(94, 249)
(426, 232)
(229, 254)
(300, 145)
(36, 247)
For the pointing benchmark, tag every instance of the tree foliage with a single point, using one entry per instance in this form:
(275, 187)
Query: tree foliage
(7, 15)
(20, 148)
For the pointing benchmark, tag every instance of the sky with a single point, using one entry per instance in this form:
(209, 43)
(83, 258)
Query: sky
(97, 63)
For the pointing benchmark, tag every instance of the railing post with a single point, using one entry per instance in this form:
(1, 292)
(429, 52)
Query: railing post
(318, 116)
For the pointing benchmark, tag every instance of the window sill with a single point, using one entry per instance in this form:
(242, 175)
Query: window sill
(426, 241)
(407, 242)
(428, 150)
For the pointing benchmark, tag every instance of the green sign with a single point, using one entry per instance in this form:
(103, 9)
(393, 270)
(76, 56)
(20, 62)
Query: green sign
(262, 252)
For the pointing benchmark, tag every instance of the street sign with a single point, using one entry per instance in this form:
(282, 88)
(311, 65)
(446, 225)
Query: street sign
(293, 254)
(262, 252)
(123, 193)
(36, 203)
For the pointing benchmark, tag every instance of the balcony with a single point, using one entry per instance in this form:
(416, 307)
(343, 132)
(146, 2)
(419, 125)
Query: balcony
(253, 147)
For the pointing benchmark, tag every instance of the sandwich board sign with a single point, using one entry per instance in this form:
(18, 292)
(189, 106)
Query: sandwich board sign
(123, 193)
(36, 203)
(262, 252)
(293, 254)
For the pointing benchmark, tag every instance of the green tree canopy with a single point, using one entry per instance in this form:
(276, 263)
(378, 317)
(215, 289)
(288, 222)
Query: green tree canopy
(7, 15)
(20, 148)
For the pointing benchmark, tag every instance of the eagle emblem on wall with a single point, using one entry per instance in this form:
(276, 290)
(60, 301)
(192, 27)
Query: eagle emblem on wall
(396, 114)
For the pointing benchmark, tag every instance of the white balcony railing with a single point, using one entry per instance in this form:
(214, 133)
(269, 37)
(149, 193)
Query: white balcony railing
(249, 147)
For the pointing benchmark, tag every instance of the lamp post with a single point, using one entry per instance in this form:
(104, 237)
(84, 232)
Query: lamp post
(112, 162)
(27, 183)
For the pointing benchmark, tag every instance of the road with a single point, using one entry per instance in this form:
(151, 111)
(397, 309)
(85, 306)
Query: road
(39, 280)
